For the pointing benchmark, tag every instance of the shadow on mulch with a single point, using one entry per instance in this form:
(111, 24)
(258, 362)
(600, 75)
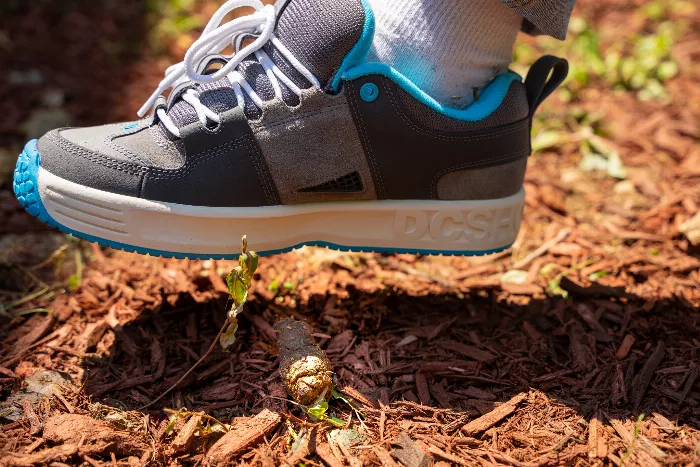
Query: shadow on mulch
(436, 351)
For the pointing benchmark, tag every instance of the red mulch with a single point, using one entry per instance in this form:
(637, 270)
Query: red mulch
(443, 360)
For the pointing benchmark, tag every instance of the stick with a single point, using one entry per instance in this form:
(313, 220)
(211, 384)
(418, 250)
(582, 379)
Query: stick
(542, 249)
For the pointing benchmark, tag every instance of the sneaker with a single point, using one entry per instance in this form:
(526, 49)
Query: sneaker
(293, 140)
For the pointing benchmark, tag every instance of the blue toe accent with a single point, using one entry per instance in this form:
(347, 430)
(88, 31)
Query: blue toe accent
(26, 188)
(25, 185)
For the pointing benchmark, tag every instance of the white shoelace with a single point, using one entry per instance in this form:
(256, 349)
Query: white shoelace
(215, 38)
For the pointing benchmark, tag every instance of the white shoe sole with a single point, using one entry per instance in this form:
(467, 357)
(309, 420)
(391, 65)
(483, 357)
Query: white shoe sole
(169, 229)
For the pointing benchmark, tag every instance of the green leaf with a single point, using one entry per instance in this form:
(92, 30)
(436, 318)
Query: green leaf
(319, 410)
(252, 262)
(237, 286)
(230, 279)
(340, 397)
(335, 421)
(73, 282)
(171, 424)
(555, 289)
(228, 338)
(240, 292)
(243, 261)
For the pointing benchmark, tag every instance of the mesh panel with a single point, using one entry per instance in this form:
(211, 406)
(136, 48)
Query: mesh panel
(513, 109)
(254, 73)
(350, 183)
(286, 68)
(218, 96)
(320, 33)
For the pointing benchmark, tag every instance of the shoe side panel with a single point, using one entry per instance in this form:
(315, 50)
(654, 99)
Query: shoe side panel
(408, 159)
(308, 146)
(493, 182)
(223, 167)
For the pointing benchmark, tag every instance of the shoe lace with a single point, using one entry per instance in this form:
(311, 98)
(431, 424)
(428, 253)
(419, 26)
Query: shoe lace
(214, 39)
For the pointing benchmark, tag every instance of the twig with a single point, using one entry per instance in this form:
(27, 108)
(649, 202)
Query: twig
(51, 257)
(640, 383)
(206, 354)
(542, 249)
(11, 361)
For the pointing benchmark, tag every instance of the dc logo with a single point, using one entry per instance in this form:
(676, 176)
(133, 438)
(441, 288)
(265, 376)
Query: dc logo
(455, 226)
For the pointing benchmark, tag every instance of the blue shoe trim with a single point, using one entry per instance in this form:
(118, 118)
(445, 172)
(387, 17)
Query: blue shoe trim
(490, 99)
(26, 188)
(25, 183)
(359, 52)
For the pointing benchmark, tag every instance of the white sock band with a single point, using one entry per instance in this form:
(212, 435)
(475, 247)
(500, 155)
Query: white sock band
(446, 47)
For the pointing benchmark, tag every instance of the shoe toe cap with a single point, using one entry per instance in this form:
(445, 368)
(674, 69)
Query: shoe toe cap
(81, 156)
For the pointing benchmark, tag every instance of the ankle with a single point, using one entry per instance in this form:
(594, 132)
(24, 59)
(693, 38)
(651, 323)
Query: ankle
(449, 49)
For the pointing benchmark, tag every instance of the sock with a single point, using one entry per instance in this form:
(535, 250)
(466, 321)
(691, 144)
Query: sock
(446, 47)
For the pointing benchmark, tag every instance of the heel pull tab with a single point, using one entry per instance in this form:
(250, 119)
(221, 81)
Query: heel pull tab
(537, 84)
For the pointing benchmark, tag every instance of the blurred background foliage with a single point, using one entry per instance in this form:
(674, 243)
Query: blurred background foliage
(636, 59)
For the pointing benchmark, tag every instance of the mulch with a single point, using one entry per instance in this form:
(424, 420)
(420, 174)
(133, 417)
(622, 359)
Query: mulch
(445, 360)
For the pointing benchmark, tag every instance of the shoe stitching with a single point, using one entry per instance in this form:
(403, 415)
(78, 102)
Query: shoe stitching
(512, 128)
(165, 174)
(470, 165)
(110, 142)
(263, 172)
(369, 153)
(300, 116)
(69, 147)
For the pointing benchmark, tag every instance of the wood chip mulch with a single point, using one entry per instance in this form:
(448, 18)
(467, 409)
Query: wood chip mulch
(445, 360)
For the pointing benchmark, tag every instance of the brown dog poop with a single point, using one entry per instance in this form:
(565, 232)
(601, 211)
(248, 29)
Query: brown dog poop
(305, 368)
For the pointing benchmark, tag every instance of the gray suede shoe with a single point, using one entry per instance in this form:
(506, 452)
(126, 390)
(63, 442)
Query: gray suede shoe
(293, 140)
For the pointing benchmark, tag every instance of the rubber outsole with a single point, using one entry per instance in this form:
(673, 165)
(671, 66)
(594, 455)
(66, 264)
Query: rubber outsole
(26, 188)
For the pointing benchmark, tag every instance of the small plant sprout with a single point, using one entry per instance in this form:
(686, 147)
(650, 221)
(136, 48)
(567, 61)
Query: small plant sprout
(635, 435)
(238, 282)
(318, 413)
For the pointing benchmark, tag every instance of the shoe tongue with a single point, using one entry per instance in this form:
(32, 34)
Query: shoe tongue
(320, 33)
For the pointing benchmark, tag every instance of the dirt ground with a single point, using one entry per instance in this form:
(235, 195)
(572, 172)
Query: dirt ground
(579, 346)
